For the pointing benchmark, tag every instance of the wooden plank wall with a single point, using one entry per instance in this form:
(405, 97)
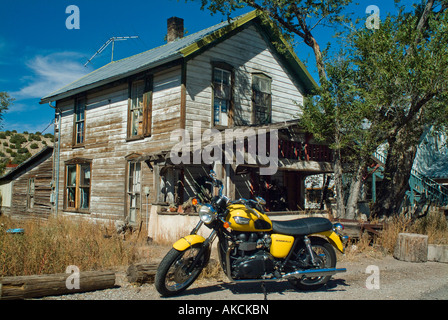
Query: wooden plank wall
(107, 147)
(42, 174)
(248, 53)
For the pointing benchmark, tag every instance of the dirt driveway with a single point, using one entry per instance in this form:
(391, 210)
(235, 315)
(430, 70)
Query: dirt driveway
(366, 279)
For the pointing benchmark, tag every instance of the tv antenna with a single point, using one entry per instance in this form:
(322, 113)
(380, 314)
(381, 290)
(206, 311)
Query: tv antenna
(111, 40)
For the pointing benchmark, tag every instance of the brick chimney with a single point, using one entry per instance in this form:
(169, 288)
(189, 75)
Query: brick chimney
(175, 28)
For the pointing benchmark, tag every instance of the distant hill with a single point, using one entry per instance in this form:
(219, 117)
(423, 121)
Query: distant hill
(15, 148)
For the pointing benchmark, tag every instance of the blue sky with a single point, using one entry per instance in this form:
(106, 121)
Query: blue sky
(38, 54)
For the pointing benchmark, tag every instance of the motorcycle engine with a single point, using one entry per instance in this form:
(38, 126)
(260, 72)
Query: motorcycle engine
(253, 259)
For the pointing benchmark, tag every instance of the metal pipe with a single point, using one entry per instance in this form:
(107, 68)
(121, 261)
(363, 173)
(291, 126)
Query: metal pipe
(58, 155)
(293, 275)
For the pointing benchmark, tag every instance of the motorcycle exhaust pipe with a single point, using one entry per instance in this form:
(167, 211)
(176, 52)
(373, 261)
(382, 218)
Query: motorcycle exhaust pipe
(313, 273)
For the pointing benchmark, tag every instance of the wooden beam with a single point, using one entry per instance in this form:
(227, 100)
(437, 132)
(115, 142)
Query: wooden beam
(35, 286)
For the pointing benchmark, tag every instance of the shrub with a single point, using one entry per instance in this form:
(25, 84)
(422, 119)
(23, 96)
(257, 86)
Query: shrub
(22, 150)
(2, 135)
(34, 146)
(17, 139)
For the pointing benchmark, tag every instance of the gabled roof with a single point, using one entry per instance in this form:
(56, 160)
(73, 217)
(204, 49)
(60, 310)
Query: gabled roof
(178, 49)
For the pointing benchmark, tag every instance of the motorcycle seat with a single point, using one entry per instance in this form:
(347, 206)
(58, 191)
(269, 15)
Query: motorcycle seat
(301, 227)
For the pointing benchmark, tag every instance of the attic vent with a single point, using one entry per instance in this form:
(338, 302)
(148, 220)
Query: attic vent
(175, 28)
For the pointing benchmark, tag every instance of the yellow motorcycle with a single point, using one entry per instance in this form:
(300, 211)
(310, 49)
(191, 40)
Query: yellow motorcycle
(252, 248)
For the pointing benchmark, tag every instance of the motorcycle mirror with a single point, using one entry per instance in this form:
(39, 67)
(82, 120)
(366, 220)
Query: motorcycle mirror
(260, 200)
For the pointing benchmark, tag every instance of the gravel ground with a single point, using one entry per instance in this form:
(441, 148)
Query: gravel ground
(389, 279)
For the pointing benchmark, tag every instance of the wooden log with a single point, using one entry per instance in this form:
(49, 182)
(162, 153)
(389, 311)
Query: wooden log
(36, 286)
(141, 273)
(411, 247)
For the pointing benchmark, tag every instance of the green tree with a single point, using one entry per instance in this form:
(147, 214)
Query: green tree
(298, 18)
(5, 102)
(391, 85)
(403, 72)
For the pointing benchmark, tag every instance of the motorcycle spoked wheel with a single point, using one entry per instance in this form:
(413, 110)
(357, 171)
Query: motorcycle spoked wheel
(172, 277)
(326, 258)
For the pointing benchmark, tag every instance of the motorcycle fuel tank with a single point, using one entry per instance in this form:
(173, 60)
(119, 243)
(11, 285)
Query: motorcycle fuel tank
(246, 219)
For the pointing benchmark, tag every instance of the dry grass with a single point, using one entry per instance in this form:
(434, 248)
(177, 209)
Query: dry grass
(50, 246)
(434, 225)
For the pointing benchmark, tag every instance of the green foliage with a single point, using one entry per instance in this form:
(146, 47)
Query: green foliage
(5, 102)
(22, 151)
(16, 145)
(21, 157)
(17, 139)
(34, 137)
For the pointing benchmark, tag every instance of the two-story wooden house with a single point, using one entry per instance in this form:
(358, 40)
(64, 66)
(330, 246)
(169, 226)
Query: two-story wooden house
(115, 125)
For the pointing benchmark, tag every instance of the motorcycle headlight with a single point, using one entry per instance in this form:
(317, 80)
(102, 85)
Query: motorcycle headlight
(207, 214)
(338, 228)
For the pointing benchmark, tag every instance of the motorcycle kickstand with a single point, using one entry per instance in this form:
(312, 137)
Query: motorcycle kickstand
(263, 287)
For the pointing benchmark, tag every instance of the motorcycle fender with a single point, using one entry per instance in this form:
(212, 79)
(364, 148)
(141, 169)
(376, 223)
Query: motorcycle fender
(334, 239)
(188, 241)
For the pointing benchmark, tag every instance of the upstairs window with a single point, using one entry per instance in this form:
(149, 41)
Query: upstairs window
(79, 122)
(140, 108)
(222, 95)
(261, 99)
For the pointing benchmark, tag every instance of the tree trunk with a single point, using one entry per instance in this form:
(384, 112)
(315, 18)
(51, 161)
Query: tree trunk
(355, 190)
(397, 171)
(339, 186)
(411, 247)
(35, 286)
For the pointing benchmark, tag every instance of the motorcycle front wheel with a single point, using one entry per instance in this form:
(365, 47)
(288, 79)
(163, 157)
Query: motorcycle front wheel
(173, 275)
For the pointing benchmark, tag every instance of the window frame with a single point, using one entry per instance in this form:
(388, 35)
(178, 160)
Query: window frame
(223, 66)
(30, 193)
(146, 98)
(268, 97)
(78, 101)
(78, 164)
(130, 194)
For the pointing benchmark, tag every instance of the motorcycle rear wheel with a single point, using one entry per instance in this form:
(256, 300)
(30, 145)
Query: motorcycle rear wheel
(326, 256)
(172, 277)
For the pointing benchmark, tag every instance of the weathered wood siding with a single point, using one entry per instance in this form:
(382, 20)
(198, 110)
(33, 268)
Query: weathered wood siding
(248, 53)
(106, 142)
(107, 115)
(41, 172)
